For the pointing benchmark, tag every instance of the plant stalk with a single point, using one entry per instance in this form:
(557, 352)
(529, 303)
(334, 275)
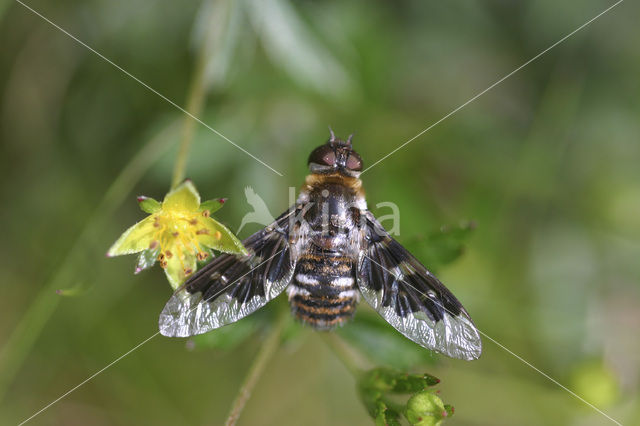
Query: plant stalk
(344, 353)
(266, 352)
(195, 104)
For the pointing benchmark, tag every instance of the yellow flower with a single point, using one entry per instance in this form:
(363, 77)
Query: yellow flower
(178, 233)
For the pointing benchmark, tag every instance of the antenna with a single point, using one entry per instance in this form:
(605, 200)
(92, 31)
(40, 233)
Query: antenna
(333, 136)
(349, 139)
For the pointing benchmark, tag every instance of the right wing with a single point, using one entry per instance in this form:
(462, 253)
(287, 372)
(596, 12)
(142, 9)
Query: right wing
(411, 298)
(232, 286)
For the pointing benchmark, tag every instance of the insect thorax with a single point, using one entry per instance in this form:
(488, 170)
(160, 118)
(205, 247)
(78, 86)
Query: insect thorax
(323, 292)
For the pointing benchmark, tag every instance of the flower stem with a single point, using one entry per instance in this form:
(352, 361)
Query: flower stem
(344, 353)
(195, 102)
(268, 349)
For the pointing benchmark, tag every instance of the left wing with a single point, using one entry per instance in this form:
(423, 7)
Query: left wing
(232, 286)
(411, 298)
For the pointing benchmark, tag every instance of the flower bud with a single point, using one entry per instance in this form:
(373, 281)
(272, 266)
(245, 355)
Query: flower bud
(425, 409)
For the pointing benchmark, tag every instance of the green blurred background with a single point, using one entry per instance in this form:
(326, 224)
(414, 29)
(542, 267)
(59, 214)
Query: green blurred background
(546, 164)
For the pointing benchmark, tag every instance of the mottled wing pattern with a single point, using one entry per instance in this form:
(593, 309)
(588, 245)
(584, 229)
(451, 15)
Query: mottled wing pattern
(232, 286)
(412, 299)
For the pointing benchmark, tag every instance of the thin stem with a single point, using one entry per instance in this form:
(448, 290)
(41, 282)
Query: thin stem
(268, 349)
(344, 353)
(195, 101)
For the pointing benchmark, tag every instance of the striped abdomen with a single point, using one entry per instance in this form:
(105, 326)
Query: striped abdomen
(323, 293)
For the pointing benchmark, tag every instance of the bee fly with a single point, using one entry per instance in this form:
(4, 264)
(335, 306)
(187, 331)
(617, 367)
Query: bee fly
(326, 251)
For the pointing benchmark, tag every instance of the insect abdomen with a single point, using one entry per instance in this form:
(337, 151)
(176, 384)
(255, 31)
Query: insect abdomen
(323, 293)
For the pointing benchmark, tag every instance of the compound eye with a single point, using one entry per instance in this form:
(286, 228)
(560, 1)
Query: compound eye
(323, 155)
(354, 162)
(329, 158)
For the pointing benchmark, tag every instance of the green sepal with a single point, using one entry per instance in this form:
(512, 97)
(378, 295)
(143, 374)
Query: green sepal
(379, 379)
(411, 383)
(147, 259)
(149, 205)
(212, 205)
(390, 380)
(449, 409)
(386, 416)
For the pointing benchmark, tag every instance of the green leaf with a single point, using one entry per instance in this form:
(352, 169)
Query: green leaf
(290, 45)
(441, 247)
(382, 343)
(213, 205)
(149, 205)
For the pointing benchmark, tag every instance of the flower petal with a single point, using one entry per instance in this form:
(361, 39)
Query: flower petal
(175, 269)
(218, 237)
(184, 197)
(135, 239)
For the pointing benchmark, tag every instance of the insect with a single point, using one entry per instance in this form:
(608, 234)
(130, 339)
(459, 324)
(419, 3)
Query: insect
(326, 251)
